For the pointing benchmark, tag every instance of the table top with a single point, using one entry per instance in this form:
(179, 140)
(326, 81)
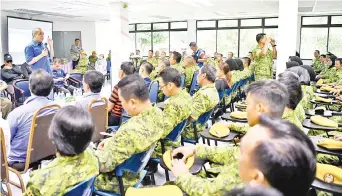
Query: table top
(331, 188)
(195, 169)
(322, 92)
(310, 125)
(226, 116)
(322, 150)
(325, 95)
(327, 113)
(323, 103)
(206, 135)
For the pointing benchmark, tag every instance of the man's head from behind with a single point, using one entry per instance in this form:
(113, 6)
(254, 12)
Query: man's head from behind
(93, 81)
(145, 70)
(193, 46)
(207, 75)
(266, 96)
(170, 82)
(41, 83)
(162, 64)
(291, 81)
(277, 153)
(175, 58)
(246, 61)
(38, 35)
(126, 68)
(133, 94)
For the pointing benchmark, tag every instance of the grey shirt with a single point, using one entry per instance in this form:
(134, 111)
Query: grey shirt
(86, 99)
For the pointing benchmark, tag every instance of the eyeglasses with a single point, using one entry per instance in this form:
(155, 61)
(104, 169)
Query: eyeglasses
(161, 87)
(9, 62)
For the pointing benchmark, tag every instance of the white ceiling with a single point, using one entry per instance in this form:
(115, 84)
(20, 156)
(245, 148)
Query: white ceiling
(162, 10)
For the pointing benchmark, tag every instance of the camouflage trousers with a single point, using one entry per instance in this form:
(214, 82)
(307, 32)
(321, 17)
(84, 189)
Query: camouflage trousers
(109, 182)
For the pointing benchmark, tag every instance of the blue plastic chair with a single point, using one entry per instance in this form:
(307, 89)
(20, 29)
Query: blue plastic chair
(21, 91)
(84, 188)
(194, 85)
(124, 118)
(153, 90)
(182, 80)
(201, 120)
(221, 94)
(135, 164)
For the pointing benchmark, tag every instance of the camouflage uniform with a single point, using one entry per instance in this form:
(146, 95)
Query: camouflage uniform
(177, 109)
(92, 59)
(333, 75)
(290, 115)
(153, 61)
(205, 99)
(82, 66)
(62, 174)
(154, 74)
(227, 178)
(321, 68)
(263, 65)
(300, 112)
(308, 95)
(189, 72)
(210, 61)
(316, 63)
(136, 135)
(179, 67)
(216, 64)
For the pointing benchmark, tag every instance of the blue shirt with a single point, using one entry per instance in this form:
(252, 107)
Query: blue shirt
(86, 99)
(147, 82)
(20, 120)
(34, 49)
(198, 53)
(58, 73)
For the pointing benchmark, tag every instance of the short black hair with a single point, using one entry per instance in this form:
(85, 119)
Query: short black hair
(296, 59)
(256, 190)
(248, 60)
(220, 54)
(210, 72)
(318, 51)
(297, 54)
(287, 159)
(71, 130)
(231, 52)
(148, 67)
(77, 39)
(339, 59)
(128, 68)
(239, 64)
(233, 65)
(133, 86)
(166, 62)
(274, 93)
(137, 50)
(333, 59)
(95, 80)
(177, 56)
(192, 44)
(171, 75)
(195, 57)
(259, 36)
(291, 64)
(323, 55)
(292, 83)
(150, 51)
(41, 83)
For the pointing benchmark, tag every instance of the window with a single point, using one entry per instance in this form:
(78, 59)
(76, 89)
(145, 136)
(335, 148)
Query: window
(227, 23)
(161, 26)
(313, 39)
(336, 20)
(251, 22)
(179, 25)
(143, 42)
(335, 41)
(227, 41)
(143, 27)
(206, 24)
(206, 41)
(178, 41)
(248, 40)
(271, 21)
(161, 41)
(272, 32)
(131, 27)
(132, 38)
(315, 20)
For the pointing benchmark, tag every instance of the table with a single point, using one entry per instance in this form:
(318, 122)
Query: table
(331, 188)
(327, 113)
(226, 116)
(310, 125)
(325, 95)
(322, 92)
(195, 169)
(322, 150)
(206, 135)
(161, 105)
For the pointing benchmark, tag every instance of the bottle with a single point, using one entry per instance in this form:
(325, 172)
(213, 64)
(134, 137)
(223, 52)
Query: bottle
(55, 96)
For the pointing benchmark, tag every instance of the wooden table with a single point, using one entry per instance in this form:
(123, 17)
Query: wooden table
(206, 135)
(310, 125)
(227, 116)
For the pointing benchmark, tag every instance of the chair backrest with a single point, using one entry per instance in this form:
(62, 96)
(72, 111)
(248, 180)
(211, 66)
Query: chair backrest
(183, 80)
(136, 163)
(204, 117)
(228, 91)
(82, 189)
(193, 83)
(125, 117)
(153, 91)
(39, 145)
(98, 109)
(235, 86)
(177, 131)
(21, 85)
(4, 164)
(77, 76)
(221, 94)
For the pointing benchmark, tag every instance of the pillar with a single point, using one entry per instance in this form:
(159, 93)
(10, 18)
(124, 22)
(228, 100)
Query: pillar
(287, 28)
(191, 33)
(120, 41)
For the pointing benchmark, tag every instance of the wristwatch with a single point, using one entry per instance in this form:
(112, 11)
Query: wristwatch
(274, 45)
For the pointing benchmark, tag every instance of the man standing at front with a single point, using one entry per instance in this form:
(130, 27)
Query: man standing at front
(199, 53)
(36, 53)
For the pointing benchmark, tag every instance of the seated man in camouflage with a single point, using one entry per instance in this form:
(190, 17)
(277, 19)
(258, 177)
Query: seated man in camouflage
(71, 130)
(274, 153)
(162, 64)
(190, 68)
(205, 99)
(178, 106)
(136, 135)
(175, 61)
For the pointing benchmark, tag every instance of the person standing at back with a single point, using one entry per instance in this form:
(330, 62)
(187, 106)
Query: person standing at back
(199, 53)
(36, 53)
(75, 53)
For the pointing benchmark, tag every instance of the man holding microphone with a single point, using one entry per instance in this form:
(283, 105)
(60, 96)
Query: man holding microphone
(36, 53)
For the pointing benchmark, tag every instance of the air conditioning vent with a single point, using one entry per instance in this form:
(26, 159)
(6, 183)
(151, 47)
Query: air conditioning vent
(36, 12)
(305, 9)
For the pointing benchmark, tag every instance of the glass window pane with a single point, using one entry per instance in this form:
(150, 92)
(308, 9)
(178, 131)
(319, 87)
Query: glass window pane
(313, 39)
(272, 32)
(132, 38)
(132, 27)
(271, 22)
(336, 20)
(251, 22)
(160, 25)
(315, 20)
(179, 25)
(204, 24)
(227, 23)
(247, 40)
(161, 41)
(206, 40)
(335, 41)
(143, 42)
(143, 26)
(179, 41)
(227, 41)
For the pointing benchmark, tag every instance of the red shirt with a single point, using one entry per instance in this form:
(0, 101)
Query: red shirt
(114, 98)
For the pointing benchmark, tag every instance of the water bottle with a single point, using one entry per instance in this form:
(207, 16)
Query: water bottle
(55, 96)
(68, 95)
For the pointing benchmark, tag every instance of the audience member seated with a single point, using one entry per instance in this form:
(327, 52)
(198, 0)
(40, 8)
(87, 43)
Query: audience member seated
(92, 85)
(71, 130)
(221, 82)
(311, 72)
(293, 66)
(316, 62)
(59, 77)
(175, 61)
(296, 59)
(177, 108)
(190, 66)
(92, 60)
(334, 74)
(273, 153)
(162, 64)
(145, 70)
(218, 60)
(205, 99)
(136, 135)
(323, 65)
(10, 72)
(254, 190)
(20, 119)
(82, 66)
(114, 104)
(5, 103)
(151, 59)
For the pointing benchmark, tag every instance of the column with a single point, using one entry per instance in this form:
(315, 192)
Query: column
(287, 30)
(120, 41)
(191, 33)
